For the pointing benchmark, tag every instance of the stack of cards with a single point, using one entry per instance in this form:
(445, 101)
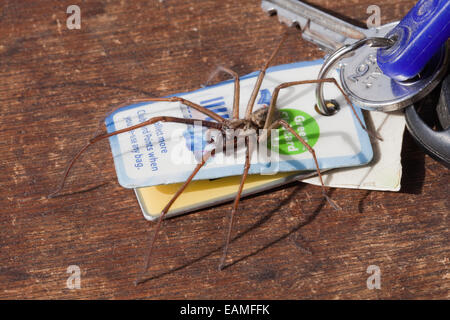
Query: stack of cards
(156, 159)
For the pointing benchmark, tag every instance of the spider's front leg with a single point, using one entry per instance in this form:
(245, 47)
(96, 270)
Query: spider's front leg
(99, 137)
(236, 95)
(270, 113)
(272, 124)
(286, 125)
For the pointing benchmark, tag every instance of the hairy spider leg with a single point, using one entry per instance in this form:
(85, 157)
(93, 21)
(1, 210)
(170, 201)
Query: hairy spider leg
(236, 97)
(283, 123)
(236, 202)
(98, 137)
(272, 107)
(131, 101)
(166, 209)
(262, 73)
(270, 124)
(369, 132)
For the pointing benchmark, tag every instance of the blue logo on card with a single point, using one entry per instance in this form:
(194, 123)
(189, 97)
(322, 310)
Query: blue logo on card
(197, 142)
(265, 97)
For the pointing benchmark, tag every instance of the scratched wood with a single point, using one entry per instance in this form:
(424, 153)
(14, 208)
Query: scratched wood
(56, 84)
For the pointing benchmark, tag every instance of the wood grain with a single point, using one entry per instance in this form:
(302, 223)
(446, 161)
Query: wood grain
(56, 84)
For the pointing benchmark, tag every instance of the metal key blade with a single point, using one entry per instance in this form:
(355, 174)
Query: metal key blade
(320, 28)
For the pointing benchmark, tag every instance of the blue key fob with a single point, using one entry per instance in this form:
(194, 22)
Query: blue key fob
(418, 36)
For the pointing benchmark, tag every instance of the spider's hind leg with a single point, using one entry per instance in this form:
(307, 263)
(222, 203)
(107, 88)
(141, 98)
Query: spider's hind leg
(236, 202)
(167, 208)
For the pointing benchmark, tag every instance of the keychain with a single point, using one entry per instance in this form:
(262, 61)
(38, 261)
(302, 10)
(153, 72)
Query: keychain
(393, 72)
(391, 67)
(435, 143)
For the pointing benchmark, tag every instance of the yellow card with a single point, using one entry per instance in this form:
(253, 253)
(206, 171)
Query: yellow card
(205, 193)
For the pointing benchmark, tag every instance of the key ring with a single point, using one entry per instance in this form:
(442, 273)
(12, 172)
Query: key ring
(335, 57)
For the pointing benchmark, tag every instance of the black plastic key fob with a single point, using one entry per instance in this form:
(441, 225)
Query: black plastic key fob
(436, 143)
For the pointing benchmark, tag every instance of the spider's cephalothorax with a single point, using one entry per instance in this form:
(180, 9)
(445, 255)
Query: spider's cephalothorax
(256, 122)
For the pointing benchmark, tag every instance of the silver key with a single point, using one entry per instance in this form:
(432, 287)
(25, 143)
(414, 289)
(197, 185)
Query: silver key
(326, 31)
(360, 76)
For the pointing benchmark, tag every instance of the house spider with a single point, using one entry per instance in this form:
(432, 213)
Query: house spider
(265, 118)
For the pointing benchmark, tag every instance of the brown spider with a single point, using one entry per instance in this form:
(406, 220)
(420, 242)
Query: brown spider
(265, 118)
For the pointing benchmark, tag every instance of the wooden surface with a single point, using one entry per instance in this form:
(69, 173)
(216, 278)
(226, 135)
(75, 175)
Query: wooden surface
(56, 84)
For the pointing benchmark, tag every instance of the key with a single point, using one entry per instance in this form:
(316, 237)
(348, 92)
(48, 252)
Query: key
(326, 31)
(361, 77)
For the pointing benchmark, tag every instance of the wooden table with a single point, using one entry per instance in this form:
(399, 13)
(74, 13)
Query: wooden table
(56, 84)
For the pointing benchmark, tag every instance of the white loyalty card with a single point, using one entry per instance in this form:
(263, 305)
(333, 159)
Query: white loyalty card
(166, 153)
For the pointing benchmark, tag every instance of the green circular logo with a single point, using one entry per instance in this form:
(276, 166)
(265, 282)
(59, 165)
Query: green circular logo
(306, 127)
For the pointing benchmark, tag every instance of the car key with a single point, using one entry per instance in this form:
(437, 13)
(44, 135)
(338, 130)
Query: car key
(360, 75)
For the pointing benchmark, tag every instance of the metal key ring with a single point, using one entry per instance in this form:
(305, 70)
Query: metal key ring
(337, 56)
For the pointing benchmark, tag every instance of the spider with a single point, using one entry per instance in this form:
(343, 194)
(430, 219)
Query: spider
(265, 118)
